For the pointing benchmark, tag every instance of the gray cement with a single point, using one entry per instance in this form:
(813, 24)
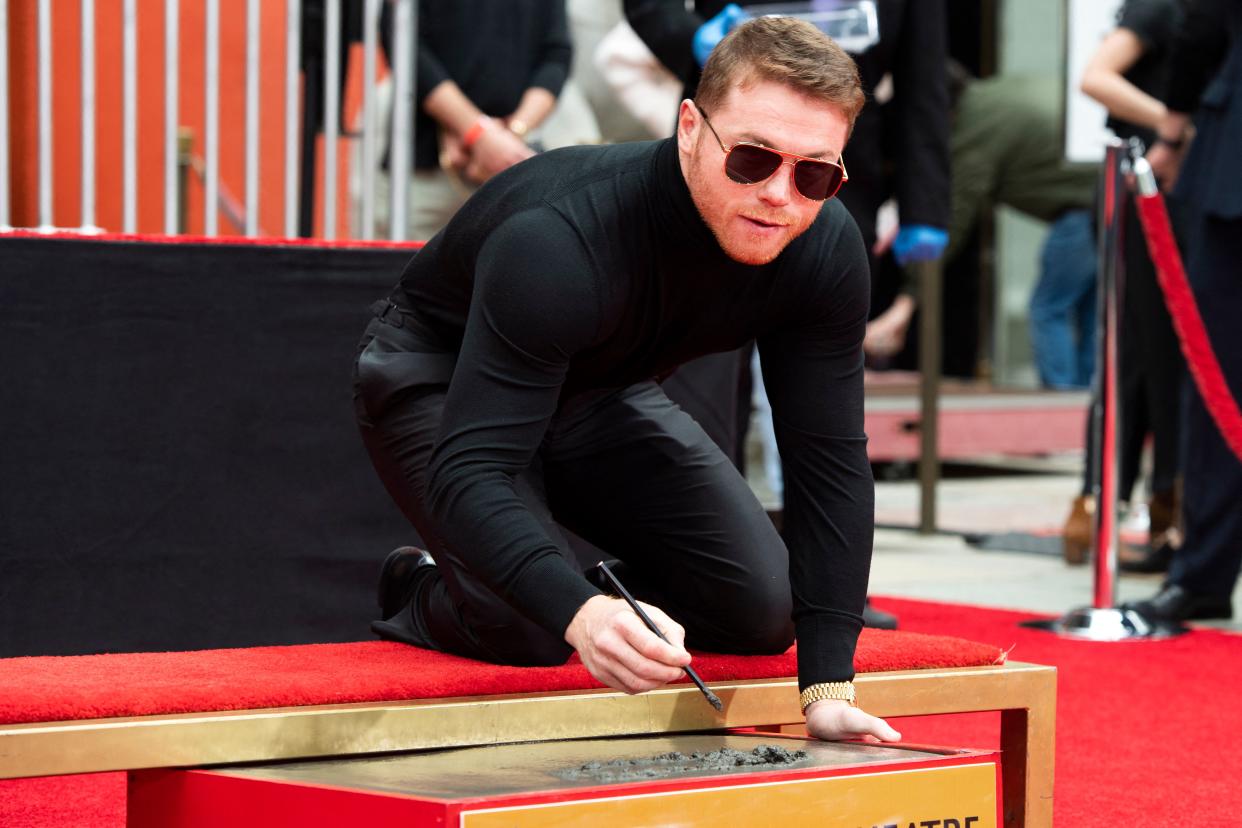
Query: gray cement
(763, 757)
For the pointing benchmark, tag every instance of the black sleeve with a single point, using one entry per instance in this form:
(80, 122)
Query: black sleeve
(814, 379)
(921, 116)
(555, 52)
(429, 70)
(1151, 21)
(534, 304)
(668, 28)
(1198, 49)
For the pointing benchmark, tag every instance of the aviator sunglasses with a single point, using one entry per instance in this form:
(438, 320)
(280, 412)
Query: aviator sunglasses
(750, 163)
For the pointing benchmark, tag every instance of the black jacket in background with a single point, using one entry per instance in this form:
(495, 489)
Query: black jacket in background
(493, 49)
(1205, 78)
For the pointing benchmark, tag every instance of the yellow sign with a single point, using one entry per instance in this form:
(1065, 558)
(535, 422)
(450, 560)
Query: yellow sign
(959, 796)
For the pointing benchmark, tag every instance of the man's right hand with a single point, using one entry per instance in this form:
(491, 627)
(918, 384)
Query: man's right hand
(619, 650)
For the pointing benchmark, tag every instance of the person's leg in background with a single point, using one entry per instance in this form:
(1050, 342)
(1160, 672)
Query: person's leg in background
(1204, 571)
(1085, 319)
(435, 196)
(1154, 347)
(1067, 270)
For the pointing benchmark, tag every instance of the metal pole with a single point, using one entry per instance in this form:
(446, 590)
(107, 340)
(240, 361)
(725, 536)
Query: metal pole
(171, 148)
(129, 106)
(293, 50)
(1104, 621)
(405, 36)
(370, 25)
(930, 321)
(45, 114)
(4, 116)
(88, 115)
(252, 117)
(331, 111)
(211, 120)
(1105, 419)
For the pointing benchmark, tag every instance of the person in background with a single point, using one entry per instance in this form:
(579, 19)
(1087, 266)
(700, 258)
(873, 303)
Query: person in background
(1006, 149)
(1202, 165)
(1128, 74)
(487, 74)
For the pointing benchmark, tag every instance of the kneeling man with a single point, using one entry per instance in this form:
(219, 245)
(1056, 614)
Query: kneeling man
(508, 389)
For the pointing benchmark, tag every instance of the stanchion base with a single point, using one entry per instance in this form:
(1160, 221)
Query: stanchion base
(1113, 624)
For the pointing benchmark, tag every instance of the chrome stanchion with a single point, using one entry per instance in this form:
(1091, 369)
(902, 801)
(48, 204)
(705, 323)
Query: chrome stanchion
(331, 112)
(1103, 620)
(173, 180)
(405, 42)
(293, 54)
(253, 126)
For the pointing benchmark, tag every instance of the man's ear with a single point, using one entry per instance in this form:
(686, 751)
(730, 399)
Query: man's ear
(688, 120)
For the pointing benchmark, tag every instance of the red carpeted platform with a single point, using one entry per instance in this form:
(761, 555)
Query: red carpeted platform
(46, 689)
(1144, 729)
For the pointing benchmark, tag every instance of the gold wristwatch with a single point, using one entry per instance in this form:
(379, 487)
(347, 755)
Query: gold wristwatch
(839, 690)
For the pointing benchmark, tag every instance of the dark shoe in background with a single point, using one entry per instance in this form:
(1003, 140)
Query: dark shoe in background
(877, 619)
(1163, 539)
(399, 576)
(1174, 603)
(1148, 561)
(1079, 526)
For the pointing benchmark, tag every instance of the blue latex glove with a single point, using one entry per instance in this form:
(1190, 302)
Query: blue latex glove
(919, 243)
(714, 30)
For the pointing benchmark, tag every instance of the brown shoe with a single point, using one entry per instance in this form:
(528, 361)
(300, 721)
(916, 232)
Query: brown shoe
(1079, 526)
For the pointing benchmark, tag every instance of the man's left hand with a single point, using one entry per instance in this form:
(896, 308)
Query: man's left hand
(833, 721)
(919, 243)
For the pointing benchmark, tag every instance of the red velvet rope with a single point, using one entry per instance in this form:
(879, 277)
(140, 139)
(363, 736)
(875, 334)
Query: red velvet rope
(1200, 357)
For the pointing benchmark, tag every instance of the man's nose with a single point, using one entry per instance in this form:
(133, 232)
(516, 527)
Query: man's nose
(779, 188)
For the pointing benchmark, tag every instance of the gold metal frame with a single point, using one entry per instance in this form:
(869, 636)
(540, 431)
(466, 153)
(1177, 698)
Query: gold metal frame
(1024, 693)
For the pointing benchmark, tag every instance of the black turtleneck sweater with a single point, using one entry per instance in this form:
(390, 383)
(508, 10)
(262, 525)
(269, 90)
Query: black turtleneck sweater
(589, 268)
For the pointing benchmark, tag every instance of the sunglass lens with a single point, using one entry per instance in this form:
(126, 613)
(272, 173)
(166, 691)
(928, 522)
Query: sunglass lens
(747, 164)
(817, 180)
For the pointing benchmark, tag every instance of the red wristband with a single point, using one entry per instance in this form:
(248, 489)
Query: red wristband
(475, 132)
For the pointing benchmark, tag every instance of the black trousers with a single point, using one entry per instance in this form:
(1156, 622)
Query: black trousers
(1152, 368)
(627, 470)
(1211, 557)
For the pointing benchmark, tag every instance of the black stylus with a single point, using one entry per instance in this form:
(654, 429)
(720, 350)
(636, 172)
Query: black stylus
(625, 593)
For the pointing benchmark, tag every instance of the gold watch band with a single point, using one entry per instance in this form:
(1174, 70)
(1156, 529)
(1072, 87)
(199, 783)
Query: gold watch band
(839, 690)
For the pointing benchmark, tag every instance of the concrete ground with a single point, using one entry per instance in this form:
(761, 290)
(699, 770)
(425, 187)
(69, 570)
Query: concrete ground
(996, 496)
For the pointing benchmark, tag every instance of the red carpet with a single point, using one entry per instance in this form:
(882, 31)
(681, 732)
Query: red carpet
(50, 688)
(1144, 730)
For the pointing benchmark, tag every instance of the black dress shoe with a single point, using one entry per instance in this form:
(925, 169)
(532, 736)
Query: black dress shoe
(399, 576)
(1175, 603)
(1153, 560)
(876, 619)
